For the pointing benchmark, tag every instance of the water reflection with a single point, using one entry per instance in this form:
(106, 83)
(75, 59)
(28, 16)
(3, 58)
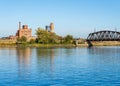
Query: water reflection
(24, 56)
(104, 50)
(104, 55)
(11, 51)
(94, 66)
(24, 62)
(46, 57)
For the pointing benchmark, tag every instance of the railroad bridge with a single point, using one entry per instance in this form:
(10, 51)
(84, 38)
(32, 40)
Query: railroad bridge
(104, 36)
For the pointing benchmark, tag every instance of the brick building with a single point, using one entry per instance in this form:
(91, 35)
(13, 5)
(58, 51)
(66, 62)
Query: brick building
(23, 31)
(50, 28)
(27, 32)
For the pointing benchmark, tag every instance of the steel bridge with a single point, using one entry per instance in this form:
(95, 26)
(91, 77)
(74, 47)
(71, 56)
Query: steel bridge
(104, 36)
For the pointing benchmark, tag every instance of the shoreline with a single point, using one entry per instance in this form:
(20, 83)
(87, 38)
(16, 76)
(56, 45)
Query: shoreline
(35, 45)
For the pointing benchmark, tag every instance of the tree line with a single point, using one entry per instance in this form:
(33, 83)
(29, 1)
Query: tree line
(45, 37)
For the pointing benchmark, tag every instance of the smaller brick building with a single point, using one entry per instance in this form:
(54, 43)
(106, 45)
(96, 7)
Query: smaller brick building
(23, 31)
(50, 28)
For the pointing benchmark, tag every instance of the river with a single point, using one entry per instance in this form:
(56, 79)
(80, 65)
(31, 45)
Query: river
(95, 66)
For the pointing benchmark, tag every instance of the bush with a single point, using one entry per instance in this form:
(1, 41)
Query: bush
(23, 39)
(68, 39)
(32, 41)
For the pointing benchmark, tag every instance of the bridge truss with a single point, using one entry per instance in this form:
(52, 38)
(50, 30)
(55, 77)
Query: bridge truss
(104, 36)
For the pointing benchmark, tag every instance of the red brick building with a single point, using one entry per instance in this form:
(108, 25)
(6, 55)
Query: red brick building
(27, 32)
(23, 31)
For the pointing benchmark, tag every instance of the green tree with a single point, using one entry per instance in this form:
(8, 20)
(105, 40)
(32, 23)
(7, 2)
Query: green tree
(42, 36)
(53, 38)
(68, 39)
(23, 39)
(32, 41)
(46, 37)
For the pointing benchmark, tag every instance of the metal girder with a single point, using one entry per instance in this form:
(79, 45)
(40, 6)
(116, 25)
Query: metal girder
(104, 36)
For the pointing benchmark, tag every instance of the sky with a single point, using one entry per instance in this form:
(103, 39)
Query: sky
(75, 17)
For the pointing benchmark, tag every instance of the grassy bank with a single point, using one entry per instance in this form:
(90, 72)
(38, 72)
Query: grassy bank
(11, 44)
(105, 43)
(45, 45)
(94, 43)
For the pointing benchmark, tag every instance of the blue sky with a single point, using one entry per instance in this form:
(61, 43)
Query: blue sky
(75, 17)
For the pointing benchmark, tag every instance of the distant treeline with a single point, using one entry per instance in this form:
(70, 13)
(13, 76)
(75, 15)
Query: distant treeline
(45, 37)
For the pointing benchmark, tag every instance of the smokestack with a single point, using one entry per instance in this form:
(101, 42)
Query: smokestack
(52, 27)
(19, 25)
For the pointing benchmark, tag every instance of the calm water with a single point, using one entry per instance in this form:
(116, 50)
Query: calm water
(98, 66)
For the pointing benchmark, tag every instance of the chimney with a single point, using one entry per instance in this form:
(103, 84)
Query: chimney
(19, 25)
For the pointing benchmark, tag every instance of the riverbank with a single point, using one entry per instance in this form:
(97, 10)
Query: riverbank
(85, 44)
(36, 45)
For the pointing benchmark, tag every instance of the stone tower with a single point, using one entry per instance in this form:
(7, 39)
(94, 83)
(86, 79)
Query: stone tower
(52, 27)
